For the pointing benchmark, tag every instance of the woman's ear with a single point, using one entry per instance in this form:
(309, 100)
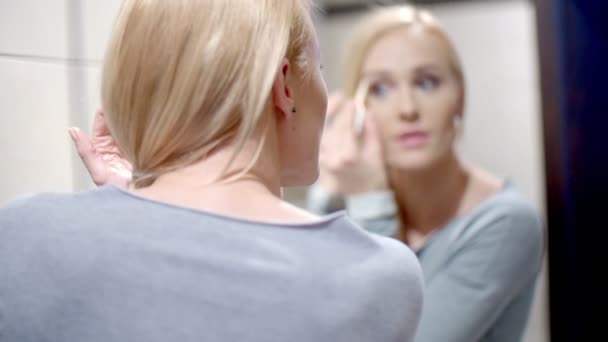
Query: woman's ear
(282, 96)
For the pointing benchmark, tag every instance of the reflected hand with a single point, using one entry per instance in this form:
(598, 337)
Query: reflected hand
(100, 155)
(350, 163)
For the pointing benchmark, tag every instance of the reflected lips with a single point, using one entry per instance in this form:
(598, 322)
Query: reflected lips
(412, 138)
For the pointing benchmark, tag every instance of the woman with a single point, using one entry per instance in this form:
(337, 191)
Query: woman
(216, 105)
(479, 242)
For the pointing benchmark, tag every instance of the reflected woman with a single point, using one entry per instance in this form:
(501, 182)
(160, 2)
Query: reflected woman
(479, 241)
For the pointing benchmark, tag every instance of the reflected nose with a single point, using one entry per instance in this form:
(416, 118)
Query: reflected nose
(408, 109)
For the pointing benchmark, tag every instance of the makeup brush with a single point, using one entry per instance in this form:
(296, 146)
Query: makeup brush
(360, 98)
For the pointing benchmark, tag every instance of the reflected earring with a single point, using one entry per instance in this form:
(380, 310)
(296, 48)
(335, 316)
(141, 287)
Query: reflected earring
(457, 124)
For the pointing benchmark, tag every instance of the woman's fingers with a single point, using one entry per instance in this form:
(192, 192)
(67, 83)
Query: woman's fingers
(93, 162)
(99, 124)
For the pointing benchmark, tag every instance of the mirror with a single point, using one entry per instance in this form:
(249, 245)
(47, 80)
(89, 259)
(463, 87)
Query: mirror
(497, 45)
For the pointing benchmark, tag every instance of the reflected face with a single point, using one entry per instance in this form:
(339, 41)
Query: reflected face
(300, 142)
(415, 95)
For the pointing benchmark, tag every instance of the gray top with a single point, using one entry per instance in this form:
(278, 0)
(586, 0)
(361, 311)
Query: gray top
(480, 268)
(106, 265)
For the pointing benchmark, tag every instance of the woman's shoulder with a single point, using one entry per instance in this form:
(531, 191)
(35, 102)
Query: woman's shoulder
(398, 279)
(384, 256)
(498, 211)
(499, 199)
(31, 204)
(43, 207)
(507, 217)
(387, 264)
(510, 203)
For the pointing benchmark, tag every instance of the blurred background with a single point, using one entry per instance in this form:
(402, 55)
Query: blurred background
(51, 52)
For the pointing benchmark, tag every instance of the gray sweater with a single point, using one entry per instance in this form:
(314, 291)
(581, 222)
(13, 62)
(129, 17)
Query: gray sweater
(480, 268)
(106, 265)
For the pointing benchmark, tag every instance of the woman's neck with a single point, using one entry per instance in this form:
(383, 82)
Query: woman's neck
(261, 174)
(430, 198)
(255, 194)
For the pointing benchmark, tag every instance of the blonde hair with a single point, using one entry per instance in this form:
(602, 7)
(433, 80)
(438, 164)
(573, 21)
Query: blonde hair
(377, 24)
(182, 77)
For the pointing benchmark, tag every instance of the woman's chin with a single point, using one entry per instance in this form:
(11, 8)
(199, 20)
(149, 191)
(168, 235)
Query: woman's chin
(411, 164)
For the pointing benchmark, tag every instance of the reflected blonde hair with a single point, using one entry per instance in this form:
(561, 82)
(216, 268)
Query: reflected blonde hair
(182, 77)
(376, 25)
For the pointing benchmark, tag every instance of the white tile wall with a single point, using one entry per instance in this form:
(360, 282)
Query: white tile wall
(34, 147)
(97, 19)
(50, 52)
(58, 29)
(34, 28)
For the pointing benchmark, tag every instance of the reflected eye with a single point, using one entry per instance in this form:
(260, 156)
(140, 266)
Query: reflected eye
(427, 83)
(379, 89)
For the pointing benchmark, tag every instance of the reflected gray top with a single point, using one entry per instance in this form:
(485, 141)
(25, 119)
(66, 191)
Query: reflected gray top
(106, 265)
(480, 268)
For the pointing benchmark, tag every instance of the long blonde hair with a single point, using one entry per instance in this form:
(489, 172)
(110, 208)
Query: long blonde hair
(377, 24)
(182, 77)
